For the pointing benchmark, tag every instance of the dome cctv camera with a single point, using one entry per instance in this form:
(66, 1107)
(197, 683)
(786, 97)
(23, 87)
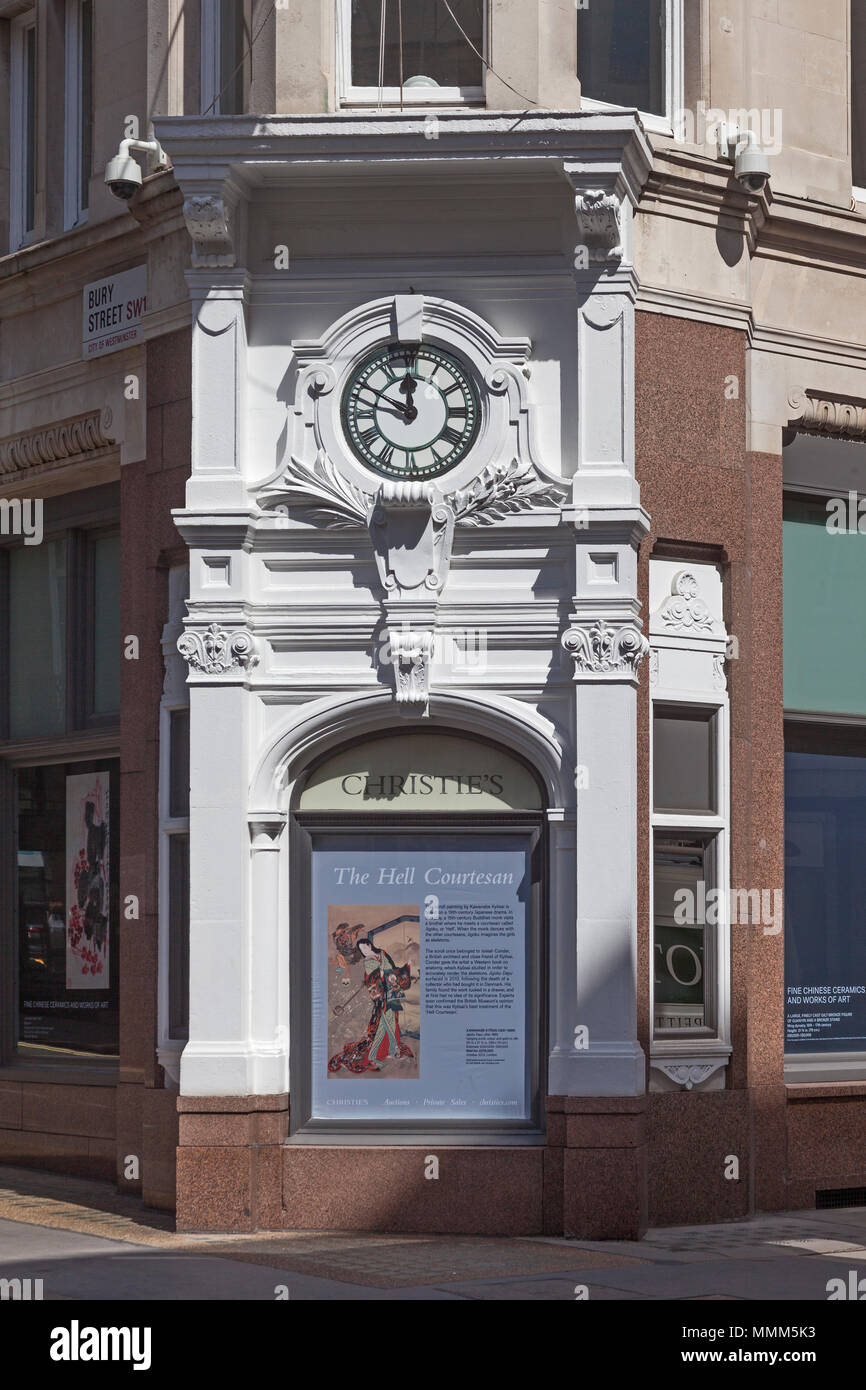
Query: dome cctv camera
(123, 173)
(123, 176)
(751, 165)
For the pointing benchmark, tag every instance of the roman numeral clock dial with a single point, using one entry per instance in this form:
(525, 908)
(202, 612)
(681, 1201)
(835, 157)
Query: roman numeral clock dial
(410, 412)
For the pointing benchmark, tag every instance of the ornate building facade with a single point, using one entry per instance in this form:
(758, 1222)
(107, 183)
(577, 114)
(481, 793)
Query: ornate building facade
(433, 756)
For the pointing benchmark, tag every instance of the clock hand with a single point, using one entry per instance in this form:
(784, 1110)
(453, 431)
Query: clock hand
(395, 405)
(408, 387)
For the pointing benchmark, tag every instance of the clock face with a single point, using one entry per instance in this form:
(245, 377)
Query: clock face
(410, 411)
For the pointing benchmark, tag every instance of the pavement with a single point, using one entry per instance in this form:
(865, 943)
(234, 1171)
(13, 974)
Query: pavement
(85, 1240)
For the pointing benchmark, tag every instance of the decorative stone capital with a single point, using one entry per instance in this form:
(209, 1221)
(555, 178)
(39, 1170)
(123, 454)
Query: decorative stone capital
(216, 651)
(603, 652)
(266, 829)
(208, 220)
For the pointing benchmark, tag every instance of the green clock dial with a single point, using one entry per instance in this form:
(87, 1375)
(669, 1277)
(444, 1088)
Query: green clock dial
(410, 411)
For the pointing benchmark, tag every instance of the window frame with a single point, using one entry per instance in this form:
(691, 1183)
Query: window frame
(699, 1054)
(175, 697)
(79, 518)
(308, 829)
(815, 1067)
(75, 208)
(425, 98)
(858, 191)
(673, 77)
(714, 829)
(22, 116)
(210, 84)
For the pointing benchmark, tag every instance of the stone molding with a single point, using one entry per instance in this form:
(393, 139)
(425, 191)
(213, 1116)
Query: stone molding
(689, 1074)
(65, 441)
(814, 414)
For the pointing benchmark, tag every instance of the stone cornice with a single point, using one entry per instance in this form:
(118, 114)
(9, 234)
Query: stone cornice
(274, 150)
(813, 413)
(67, 441)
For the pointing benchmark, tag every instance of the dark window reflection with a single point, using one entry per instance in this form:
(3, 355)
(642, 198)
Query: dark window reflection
(825, 892)
(621, 53)
(433, 46)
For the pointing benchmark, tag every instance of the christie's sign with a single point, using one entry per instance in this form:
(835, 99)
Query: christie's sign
(112, 312)
(392, 784)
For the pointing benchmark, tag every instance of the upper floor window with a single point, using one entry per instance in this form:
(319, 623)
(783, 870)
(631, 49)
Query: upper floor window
(22, 128)
(858, 95)
(79, 109)
(224, 57)
(412, 51)
(629, 53)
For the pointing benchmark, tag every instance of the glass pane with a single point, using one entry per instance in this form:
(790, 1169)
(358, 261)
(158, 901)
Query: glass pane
(30, 129)
(824, 577)
(67, 909)
(86, 39)
(178, 796)
(858, 93)
(825, 890)
(178, 888)
(435, 53)
(681, 913)
(106, 625)
(621, 53)
(684, 760)
(37, 640)
(232, 49)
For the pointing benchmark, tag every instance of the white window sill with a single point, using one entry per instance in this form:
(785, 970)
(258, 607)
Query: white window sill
(655, 124)
(369, 98)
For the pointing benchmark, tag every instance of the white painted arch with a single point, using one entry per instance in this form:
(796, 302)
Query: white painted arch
(322, 726)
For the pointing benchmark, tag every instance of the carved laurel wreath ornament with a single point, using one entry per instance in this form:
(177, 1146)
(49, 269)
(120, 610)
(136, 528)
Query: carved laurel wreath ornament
(328, 498)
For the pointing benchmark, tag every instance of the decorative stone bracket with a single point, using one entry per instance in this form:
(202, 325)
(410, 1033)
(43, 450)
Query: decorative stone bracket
(598, 224)
(208, 218)
(689, 1074)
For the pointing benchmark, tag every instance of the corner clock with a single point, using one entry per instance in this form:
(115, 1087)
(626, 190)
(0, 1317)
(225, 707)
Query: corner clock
(410, 411)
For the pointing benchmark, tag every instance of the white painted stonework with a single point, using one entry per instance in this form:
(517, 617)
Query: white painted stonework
(306, 569)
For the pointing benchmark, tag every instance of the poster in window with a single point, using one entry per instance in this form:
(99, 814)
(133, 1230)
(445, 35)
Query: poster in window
(421, 995)
(87, 880)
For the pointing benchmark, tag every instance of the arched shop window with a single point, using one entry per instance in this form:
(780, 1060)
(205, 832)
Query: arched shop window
(417, 943)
